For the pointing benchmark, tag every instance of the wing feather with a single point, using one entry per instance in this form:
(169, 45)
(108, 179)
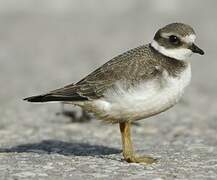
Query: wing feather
(131, 66)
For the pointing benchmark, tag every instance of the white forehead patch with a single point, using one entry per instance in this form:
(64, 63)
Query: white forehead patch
(189, 39)
(176, 53)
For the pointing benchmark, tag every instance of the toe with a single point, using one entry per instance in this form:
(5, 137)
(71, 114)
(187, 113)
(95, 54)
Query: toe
(145, 159)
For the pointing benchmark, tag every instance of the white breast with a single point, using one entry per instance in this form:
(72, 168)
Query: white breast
(146, 99)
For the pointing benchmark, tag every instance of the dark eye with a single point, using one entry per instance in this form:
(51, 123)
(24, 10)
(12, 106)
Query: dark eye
(174, 39)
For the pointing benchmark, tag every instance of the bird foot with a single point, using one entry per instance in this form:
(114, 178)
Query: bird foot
(141, 159)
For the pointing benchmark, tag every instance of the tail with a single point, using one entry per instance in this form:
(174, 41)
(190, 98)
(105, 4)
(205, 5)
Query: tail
(52, 97)
(67, 93)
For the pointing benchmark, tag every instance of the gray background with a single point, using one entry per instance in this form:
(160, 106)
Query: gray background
(47, 44)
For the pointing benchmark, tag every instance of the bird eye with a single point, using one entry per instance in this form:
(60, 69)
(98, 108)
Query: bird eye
(174, 39)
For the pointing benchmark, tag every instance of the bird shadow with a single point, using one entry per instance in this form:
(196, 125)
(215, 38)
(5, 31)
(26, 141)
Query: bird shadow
(76, 115)
(63, 148)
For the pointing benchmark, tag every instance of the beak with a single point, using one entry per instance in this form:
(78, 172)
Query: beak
(196, 49)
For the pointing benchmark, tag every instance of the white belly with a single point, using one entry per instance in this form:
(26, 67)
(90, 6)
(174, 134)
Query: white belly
(146, 99)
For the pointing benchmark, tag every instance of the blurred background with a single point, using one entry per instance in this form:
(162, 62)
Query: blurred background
(46, 44)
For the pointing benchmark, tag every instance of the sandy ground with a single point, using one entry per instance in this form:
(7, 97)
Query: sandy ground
(46, 45)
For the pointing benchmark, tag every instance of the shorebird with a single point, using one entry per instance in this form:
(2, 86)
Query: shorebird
(137, 84)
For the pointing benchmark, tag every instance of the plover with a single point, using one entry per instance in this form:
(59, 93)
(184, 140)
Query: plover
(137, 84)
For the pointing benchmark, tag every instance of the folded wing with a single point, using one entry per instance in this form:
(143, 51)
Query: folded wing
(125, 67)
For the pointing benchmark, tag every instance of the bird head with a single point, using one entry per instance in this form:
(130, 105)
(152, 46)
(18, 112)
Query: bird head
(176, 40)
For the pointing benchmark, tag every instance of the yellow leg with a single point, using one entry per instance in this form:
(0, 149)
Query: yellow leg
(128, 152)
